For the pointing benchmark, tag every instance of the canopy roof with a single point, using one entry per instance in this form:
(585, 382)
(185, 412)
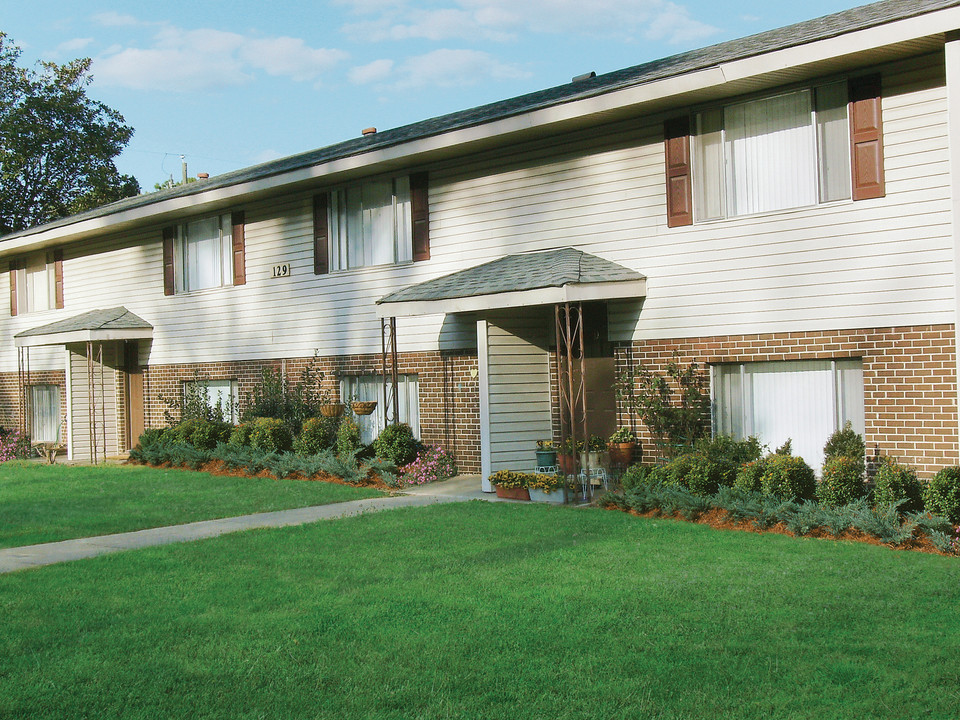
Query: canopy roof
(96, 325)
(537, 278)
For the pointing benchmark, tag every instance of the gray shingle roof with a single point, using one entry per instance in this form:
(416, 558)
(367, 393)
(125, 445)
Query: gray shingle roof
(118, 318)
(799, 34)
(513, 273)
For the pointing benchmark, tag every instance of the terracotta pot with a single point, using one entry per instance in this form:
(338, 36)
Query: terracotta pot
(621, 453)
(512, 493)
(332, 410)
(566, 463)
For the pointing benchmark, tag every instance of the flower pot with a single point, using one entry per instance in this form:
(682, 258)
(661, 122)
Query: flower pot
(512, 493)
(546, 458)
(594, 459)
(566, 463)
(554, 496)
(621, 453)
(363, 407)
(332, 410)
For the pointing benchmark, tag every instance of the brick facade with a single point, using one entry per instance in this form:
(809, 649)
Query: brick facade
(10, 395)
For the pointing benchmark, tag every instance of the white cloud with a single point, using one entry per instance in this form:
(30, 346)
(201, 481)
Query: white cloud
(208, 59)
(115, 19)
(440, 68)
(72, 46)
(504, 20)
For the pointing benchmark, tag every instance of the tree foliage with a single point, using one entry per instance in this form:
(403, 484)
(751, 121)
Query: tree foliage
(57, 145)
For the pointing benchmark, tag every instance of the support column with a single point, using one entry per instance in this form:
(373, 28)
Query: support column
(483, 366)
(391, 377)
(952, 58)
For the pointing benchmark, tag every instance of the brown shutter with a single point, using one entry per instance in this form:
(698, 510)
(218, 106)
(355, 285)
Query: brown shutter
(58, 277)
(169, 283)
(13, 287)
(676, 134)
(321, 260)
(239, 249)
(866, 138)
(420, 214)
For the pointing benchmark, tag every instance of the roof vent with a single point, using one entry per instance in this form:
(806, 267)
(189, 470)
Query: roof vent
(586, 76)
(202, 176)
(369, 131)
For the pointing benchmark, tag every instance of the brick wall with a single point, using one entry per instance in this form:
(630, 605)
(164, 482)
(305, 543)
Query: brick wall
(10, 395)
(909, 378)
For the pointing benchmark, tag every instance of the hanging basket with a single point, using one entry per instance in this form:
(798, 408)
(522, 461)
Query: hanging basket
(332, 410)
(363, 407)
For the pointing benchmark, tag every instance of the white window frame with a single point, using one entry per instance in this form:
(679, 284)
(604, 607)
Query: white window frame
(845, 391)
(370, 387)
(45, 420)
(36, 284)
(381, 234)
(190, 243)
(223, 391)
(831, 158)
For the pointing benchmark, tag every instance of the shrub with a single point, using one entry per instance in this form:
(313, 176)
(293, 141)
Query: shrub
(316, 434)
(941, 496)
(896, 483)
(274, 396)
(397, 443)
(675, 472)
(749, 475)
(725, 446)
(788, 476)
(841, 482)
(348, 438)
(150, 437)
(706, 475)
(207, 434)
(240, 437)
(270, 435)
(13, 445)
(432, 464)
(635, 476)
(845, 442)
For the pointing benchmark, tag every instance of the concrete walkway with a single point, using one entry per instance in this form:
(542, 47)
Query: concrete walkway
(459, 489)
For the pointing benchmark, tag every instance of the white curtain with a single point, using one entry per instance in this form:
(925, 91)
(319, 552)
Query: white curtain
(370, 387)
(370, 224)
(46, 413)
(207, 252)
(833, 140)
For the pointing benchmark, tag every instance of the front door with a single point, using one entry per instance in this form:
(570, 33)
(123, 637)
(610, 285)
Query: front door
(134, 393)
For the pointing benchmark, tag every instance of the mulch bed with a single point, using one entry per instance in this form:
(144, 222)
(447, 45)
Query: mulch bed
(717, 518)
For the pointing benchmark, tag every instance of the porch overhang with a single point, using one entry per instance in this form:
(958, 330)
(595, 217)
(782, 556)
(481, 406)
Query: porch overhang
(549, 277)
(95, 326)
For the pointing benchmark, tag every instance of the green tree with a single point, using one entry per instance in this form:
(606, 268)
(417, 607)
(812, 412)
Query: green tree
(57, 145)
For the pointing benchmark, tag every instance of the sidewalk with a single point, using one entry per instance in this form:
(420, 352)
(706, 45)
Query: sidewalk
(459, 489)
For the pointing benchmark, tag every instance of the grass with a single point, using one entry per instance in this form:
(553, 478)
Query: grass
(46, 503)
(486, 611)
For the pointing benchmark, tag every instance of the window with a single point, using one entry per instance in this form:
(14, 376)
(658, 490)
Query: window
(45, 413)
(370, 224)
(785, 151)
(34, 283)
(216, 395)
(804, 400)
(370, 387)
(203, 251)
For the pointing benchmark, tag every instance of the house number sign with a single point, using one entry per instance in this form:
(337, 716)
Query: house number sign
(282, 270)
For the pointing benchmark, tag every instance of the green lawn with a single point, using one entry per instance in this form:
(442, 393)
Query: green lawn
(486, 611)
(45, 503)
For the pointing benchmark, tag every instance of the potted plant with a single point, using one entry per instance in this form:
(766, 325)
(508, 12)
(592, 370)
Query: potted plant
(363, 407)
(328, 406)
(590, 456)
(545, 488)
(621, 446)
(510, 484)
(546, 453)
(567, 451)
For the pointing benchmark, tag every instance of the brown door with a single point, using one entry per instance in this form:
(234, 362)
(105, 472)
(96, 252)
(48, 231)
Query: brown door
(134, 392)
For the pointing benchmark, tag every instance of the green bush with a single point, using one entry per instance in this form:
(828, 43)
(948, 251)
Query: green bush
(706, 475)
(726, 447)
(316, 434)
(896, 483)
(240, 437)
(845, 442)
(207, 434)
(749, 475)
(150, 437)
(397, 443)
(941, 496)
(348, 438)
(270, 435)
(841, 482)
(635, 476)
(788, 476)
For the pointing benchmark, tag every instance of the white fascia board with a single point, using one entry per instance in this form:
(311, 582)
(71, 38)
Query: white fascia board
(81, 336)
(620, 290)
(930, 24)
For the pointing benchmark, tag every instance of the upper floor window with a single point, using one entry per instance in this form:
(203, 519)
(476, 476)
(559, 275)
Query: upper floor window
(370, 224)
(204, 254)
(785, 151)
(36, 283)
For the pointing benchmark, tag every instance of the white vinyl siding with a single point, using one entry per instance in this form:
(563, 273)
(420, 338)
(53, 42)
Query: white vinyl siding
(203, 254)
(104, 432)
(785, 151)
(371, 224)
(45, 406)
(804, 401)
(370, 387)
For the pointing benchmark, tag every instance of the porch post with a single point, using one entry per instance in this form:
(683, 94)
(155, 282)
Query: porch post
(391, 378)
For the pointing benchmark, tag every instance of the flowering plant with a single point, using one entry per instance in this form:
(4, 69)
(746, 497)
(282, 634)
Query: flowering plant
(597, 444)
(13, 445)
(547, 483)
(432, 464)
(546, 445)
(623, 435)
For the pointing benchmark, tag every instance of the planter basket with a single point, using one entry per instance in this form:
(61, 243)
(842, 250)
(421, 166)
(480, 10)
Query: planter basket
(621, 453)
(363, 407)
(555, 496)
(512, 493)
(332, 410)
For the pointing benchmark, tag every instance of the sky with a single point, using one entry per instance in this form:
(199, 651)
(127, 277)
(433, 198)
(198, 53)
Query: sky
(233, 84)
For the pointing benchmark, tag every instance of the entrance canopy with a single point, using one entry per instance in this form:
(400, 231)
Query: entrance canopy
(95, 326)
(537, 278)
